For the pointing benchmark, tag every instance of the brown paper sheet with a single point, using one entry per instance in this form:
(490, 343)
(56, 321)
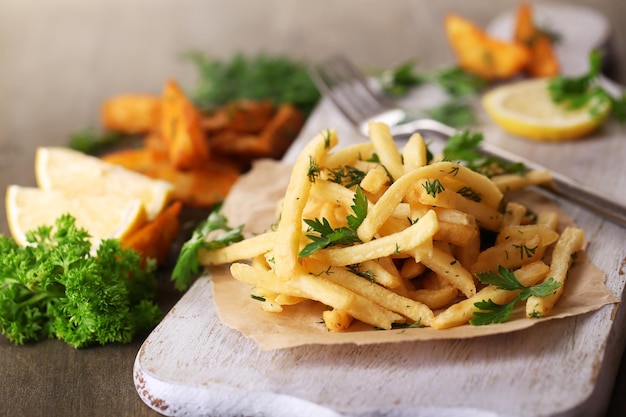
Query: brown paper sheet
(252, 202)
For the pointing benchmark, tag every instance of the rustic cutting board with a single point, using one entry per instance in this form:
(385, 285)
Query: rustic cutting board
(193, 365)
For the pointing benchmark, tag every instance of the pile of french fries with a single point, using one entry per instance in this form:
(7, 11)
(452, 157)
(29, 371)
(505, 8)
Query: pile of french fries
(201, 154)
(418, 248)
(531, 50)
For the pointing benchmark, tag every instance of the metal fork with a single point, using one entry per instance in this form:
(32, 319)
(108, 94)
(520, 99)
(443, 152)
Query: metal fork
(352, 93)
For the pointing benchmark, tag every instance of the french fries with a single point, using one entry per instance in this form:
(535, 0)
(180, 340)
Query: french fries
(397, 252)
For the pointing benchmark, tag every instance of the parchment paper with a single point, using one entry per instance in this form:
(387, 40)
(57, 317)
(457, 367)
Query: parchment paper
(252, 201)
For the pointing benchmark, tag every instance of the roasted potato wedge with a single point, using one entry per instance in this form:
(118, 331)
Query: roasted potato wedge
(543, 61)
(155, 238)
(482, 55)
(181, 129)
(130, 113)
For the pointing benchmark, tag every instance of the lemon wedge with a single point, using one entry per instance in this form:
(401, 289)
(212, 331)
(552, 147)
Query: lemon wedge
(106, 216)
(525, 108)
(78, 174)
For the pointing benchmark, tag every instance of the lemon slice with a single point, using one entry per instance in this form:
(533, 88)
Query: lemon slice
(106, 216)
(76, 174)
(525, 108)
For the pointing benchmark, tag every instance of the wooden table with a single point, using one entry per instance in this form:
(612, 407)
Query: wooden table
(60, 59)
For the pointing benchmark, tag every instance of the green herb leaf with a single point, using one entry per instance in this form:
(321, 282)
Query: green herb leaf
(56, 288)
(91, 142)
(187, 264)
(325, 235)
(577, 92)
(505, 279)
(260, 77)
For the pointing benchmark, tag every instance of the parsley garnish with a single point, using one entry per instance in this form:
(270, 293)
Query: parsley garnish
(56, 288)
(577, 92)
(325, 235)
(505, 279)
(187, 263)
(464, 147)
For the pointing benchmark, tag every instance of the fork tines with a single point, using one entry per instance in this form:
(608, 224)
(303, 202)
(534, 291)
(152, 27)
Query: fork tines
(349, 89)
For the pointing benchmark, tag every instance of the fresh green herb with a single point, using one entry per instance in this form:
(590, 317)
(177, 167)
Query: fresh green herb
(470, 194)
(325, 235)
(399, 80)
(525, 251)
(356, 270)
(433, 187)
(454, 113)
(91, 142)
(258, 298)
(505, 279)
(56, 288)
(187, 263)
(464, 147)
(346, 175)
(313, 171)
(259, 77)
(459, 83)
(577, 92)
(455, 81)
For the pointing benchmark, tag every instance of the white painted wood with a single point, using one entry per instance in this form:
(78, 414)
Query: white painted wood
(192, 365)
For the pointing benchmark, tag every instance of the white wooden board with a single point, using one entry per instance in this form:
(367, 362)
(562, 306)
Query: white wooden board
(193, 365)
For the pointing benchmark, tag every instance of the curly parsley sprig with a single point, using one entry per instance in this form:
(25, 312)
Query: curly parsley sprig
(504, 279)
(56, 288)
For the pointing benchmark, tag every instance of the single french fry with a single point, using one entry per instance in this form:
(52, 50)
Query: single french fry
(512, 182)
(348, 155)
(414, 153)
(375, 180)
(386, 148)
(513, 214)
(411, 268)
(244, 249)
(404, 241)
(524, 232)
(510, 255)
(435, 298)
(462, 312)
(571, 241)
(296, 196)
(336, 320)
(468, 253)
